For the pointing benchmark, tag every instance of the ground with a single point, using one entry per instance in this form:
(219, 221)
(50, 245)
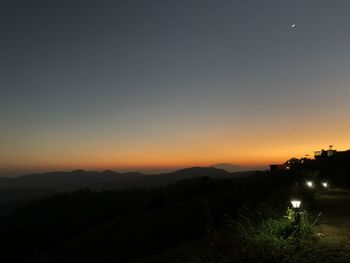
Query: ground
(334, 222)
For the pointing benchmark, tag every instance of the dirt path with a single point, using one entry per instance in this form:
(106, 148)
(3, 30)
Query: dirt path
(334, 224)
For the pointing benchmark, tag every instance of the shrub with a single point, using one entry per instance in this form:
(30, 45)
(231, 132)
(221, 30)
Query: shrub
(277, 239)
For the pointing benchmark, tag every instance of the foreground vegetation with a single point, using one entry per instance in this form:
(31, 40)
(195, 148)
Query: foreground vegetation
(246, 219)
(272, 240)
(263, 235)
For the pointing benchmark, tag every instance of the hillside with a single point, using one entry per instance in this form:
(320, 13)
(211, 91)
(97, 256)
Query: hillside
(107, 180)
(191, 215)
(87, 226)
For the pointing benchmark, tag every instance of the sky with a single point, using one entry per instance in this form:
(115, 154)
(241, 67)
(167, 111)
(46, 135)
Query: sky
(163, 84)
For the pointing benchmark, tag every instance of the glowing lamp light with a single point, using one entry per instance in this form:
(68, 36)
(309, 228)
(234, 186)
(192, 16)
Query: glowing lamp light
(325, 184)
(296, 203)
(310, 184)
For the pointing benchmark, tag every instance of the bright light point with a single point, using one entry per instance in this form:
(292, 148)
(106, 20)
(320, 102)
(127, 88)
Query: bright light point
(310, 184)
(325, 184)
(295, 203)
(293, 25)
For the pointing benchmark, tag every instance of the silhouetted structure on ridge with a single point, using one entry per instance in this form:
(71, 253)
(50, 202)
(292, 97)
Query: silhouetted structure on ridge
(323, 156)
(325, 153)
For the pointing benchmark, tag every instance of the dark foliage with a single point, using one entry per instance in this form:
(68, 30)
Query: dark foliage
(134, 224)
(90, 226)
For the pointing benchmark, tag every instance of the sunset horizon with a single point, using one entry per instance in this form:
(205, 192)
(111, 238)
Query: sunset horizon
(156, 166)
(175, 131)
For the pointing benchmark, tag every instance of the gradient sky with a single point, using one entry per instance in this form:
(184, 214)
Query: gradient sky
(147, 84)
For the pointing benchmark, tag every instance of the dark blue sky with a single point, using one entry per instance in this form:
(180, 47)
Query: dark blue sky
(120, 84)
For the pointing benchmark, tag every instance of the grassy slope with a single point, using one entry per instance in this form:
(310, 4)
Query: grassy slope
(172, 231)
(177, 230)
(262, 242)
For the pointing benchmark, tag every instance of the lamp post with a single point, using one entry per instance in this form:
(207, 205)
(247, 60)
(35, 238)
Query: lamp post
(296, 204)
(325, 184)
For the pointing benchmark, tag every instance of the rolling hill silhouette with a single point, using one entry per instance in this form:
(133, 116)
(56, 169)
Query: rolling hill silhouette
(107, 180)
(18, 190)
(122, 226)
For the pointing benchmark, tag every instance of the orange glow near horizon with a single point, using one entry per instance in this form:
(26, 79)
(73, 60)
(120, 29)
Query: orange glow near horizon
(261, 155)
(163, 145)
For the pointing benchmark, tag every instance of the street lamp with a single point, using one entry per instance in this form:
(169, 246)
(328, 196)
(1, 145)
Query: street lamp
(296, 218)
(325, 184)
(295, 203)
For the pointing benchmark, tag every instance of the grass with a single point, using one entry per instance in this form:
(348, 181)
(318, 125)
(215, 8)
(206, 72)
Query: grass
(271, 235)
(277, 239)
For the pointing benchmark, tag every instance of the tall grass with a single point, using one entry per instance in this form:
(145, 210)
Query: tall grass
(276, 239)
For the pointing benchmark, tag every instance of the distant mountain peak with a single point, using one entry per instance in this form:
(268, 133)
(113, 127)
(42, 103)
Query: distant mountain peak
(198, 169)
(228, 167)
